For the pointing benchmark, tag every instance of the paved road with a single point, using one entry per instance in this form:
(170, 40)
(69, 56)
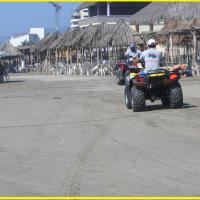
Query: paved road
(74, 136)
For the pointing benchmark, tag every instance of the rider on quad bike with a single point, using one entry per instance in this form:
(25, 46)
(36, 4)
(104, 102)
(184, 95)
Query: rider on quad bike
(153, 83)
(132, 52)
(122, 66)
(132, 65)
(151, 58)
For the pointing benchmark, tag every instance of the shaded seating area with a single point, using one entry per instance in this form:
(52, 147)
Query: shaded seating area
(93, 50)
(9, 59)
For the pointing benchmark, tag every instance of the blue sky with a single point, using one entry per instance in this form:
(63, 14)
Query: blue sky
(19, 17)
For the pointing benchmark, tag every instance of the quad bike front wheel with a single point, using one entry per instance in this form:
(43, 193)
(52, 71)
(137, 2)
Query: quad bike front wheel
(138, 99)
(127, 97)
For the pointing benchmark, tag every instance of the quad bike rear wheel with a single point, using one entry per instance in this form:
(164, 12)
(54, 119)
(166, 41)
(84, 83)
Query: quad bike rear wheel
(138, 99)
(175, 95)
(165, 99)
(127, 97)
(118, 79)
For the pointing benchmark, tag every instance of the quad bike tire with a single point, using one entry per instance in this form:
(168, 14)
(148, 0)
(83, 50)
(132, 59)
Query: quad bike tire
(175, 95)
(165, 99)
(118, 80)
(138, 99)
(127, 97)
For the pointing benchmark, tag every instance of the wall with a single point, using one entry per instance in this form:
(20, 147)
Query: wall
(146, 28)
(38, 31)
(19, 40)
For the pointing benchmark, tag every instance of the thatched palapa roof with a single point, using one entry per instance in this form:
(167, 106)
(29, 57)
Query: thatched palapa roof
(179, 26)
(8, 50)
(119, 34)
(157, 11)
(69, 38)
(181, 31)
(45, 43)
(90, 35)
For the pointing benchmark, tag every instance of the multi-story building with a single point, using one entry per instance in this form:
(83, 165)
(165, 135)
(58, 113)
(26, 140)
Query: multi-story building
(78, 15)
(109, 12)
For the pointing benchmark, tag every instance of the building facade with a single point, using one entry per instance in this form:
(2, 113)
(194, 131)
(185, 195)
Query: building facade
(34, 36)
(78, 15)
(109, 12)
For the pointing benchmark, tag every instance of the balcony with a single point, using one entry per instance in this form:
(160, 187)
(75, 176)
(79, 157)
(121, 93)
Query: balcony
(102, 18)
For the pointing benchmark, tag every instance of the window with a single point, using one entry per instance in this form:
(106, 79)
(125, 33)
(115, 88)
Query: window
(76, 17)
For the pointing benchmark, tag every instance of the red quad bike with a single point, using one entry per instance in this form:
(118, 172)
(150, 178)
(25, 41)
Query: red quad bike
(156, 84)
(120, 69)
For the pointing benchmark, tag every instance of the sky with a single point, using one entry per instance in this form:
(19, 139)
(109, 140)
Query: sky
(19, 17)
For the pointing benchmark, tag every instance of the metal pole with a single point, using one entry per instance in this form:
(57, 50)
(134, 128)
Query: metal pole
(108, 9)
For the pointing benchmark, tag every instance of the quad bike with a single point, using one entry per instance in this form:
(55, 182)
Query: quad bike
(120, 70)
(154, 85)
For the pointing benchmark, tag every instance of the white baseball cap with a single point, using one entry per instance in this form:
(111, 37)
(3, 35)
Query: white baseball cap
(151, 42)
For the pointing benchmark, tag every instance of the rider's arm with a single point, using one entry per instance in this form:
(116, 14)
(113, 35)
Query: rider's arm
(127, 53)
(142, 60)
(139, 53)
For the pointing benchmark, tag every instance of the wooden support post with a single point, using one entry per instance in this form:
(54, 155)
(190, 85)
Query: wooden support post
(56, 60)
(90, 60)
(67, 63)
(195, 70)
(49, 63)
(167, 53)
(97, 51)
(171, 49)
(109, 57)
(77, 60)
(70, 51)
(81, 57)
(37, 54)
(47, 57)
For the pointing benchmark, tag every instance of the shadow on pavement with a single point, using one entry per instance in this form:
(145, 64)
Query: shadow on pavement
(160, 107)
(17, 81)
(187, 105)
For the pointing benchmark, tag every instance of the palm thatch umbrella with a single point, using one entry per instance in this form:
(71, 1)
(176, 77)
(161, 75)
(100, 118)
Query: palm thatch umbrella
(165, 11)
(150, 14)
(46, 42)
(7, 50)
(90, 35)
(59, 41)
(180, 29)
(73, 37)
(102, 35)
(119, 34)
(124, 35)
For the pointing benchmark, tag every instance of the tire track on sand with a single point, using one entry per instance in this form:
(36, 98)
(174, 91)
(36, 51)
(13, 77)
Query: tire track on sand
(72, 184)
(92, 135)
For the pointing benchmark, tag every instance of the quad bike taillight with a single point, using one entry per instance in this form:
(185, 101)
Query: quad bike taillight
(139, 79)
(174, 76)
(123, 67)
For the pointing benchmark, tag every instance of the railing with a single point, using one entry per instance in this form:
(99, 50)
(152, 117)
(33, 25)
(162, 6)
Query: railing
(101, 19)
